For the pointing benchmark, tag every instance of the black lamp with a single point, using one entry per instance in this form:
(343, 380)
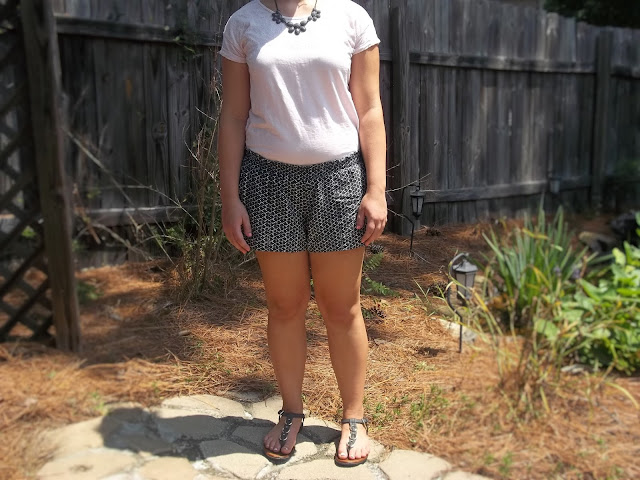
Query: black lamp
(417, 201)
(464, 272)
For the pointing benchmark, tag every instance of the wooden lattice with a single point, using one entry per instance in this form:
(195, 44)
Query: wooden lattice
(25, 309)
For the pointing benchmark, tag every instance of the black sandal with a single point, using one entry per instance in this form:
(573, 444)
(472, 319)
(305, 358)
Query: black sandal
(284, 435)
(353, 434)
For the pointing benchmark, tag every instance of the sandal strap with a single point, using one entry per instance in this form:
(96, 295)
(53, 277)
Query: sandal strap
(353, 430)
(289, 416)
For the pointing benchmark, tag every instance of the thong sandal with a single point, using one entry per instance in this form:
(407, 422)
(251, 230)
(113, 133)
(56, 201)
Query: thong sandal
(284, 435)
(353, 434)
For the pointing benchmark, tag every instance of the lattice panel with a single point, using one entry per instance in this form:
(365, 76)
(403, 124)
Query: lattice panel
(25, 309)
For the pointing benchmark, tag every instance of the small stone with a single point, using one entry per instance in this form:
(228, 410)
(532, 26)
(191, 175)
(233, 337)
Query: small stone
(87, 466)
(407, 465)
(230, 457)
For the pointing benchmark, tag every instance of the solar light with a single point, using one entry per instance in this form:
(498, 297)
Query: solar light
(554, 185)
(417, 201)
(464, 272)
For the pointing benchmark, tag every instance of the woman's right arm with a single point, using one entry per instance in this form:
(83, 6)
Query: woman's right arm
(231, 143)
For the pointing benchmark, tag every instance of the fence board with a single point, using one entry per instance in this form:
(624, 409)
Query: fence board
(500, 94)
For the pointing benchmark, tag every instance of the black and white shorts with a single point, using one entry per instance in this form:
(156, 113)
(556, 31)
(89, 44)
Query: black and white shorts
(294, 208)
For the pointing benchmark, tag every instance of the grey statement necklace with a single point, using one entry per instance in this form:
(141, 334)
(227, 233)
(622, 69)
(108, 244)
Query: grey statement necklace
(295, 27)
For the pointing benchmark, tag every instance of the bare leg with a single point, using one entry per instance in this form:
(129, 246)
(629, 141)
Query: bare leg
(286, 280)
(336, 281)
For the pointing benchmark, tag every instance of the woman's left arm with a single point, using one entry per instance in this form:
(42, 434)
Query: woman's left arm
(365, 90)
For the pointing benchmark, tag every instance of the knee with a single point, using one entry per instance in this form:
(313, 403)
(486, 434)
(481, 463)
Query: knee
(337, 314)
(284, 309)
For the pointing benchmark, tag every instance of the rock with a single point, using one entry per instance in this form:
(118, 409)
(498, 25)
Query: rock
(267, 409)
(253, 435)
(463, 476)
(173, 424)
(230, 457)
(326, 469)
(158, 469)
(208, 404)
(320, 430)
(597, 242)
(77, 437)
(407, 465)
(87, 466)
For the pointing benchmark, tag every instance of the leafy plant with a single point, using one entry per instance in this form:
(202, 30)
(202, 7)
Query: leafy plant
(370, 286)
(608, 313)
(532, 265)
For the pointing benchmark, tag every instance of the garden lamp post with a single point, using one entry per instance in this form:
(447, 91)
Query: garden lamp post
(417, 202)
(464, 272)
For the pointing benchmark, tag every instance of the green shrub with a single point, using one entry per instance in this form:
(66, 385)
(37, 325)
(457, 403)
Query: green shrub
(532, 267)
(609, 313)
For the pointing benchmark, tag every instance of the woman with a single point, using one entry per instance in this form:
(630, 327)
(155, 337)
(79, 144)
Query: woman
(302, 168)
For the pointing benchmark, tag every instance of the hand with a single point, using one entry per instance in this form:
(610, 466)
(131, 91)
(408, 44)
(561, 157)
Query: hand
(373, 208)
(235, 221)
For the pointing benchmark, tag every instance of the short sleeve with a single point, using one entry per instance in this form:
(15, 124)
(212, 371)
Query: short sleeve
(232, 45)
(366, 35)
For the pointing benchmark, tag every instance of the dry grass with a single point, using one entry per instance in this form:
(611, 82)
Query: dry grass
(421, 394)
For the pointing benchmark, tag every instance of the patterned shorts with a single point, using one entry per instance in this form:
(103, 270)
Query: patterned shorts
(294, 208)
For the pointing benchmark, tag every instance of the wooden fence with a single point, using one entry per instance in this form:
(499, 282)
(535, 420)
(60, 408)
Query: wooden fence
(485, 103)
(37, 283)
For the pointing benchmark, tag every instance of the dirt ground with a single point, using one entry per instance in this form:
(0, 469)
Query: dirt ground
(140, 344)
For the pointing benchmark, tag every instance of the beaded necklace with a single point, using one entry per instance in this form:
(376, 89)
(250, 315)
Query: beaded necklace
(295, 27)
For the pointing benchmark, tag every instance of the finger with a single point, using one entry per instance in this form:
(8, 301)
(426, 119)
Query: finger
(241, 242)
(246, 225)
(366, 238)
(378, 231)
(360, 219)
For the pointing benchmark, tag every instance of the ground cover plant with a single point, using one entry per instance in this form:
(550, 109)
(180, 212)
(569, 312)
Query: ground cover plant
(143, 343)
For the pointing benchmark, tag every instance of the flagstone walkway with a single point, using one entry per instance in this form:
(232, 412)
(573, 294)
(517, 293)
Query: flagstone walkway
(206, 437)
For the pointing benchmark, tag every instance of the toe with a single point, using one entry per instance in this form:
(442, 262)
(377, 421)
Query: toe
(342, 449)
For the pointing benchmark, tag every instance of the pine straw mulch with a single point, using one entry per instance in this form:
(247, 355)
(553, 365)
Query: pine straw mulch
(141, 345)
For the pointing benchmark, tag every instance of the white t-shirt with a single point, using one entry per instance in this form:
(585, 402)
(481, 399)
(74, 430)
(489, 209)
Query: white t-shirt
(301, 109)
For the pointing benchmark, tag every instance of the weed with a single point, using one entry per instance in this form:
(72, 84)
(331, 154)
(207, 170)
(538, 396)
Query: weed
(428, 406)
(505, 465)
(87, 292)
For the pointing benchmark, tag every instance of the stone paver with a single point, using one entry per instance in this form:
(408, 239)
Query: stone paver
(90, 465)
(212, 438)
(233, 458)
(325, 469)
(462, 476)
(267, 410)
(173, 424)
(158, 469)
(254, 435)
(406, 465)
(208, 404)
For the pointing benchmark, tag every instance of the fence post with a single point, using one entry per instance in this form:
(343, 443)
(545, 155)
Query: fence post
(602, 116)
(401, 124)
(43, 68)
